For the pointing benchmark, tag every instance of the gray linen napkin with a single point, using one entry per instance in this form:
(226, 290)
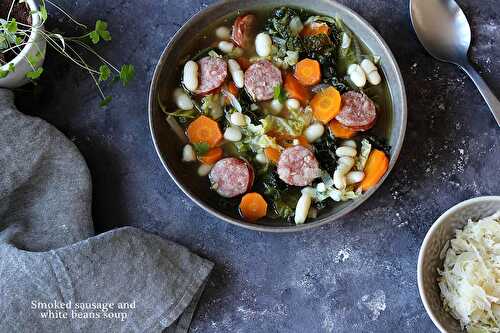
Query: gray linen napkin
(51, 266)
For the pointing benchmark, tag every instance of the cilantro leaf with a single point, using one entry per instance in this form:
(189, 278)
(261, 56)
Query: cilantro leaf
(100, 32)
(33, 75)
(127, 73)
(104, 73)
(11, 26)
(105, 102)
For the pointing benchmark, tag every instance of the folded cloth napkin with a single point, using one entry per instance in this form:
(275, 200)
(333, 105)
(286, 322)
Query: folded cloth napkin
(55, 275)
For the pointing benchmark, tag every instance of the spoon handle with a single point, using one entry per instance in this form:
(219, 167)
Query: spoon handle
(488, 95)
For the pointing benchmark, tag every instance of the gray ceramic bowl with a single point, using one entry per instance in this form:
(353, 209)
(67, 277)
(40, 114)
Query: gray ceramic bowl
(167, 74)
(429, 259)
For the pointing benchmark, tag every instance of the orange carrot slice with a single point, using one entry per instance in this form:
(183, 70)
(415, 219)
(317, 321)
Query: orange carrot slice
(296, 90)
(326, 104)
(204, 129)
(272, 154)
(253, 206)
(340, 131)
(212, 156)
(308, 72)
(376, 167)
(315, 28)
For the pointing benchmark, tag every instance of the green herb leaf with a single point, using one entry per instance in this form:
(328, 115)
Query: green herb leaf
(279, 94)
(43, 13)
(94, 36)
(100, 32)
(12, 26)
(12, 68)
(33, 75)
(201, 149)
(105, 102)
(127, 73)
(3, 74)
(104, 73)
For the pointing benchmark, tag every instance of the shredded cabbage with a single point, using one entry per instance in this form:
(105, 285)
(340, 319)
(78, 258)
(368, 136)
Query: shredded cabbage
(470, 278)
(362, 158)
(293, 125)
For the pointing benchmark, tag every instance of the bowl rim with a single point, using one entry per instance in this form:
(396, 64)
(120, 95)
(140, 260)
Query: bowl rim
(401, 129)
(425, 244)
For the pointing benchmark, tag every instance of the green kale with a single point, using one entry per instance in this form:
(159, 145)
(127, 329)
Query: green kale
(281, 197)
(325, 153)
(379, 143)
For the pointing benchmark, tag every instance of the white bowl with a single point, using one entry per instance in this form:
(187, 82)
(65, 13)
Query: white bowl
(442, 231)
(36, 45)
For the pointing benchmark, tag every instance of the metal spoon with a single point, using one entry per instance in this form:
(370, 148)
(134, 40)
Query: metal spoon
(444, 31)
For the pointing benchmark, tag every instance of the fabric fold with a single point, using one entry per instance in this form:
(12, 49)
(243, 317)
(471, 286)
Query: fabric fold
(55, 275)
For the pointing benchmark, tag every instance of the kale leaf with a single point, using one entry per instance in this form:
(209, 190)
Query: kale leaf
(325, 153)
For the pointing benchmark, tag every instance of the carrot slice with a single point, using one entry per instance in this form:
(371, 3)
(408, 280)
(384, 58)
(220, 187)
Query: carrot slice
(315, 28)
(212, 156)
(375, 169)
(326, 104)
(253, 206)
(308, 72)
(272, 154)
(340, 131)
(204, 129)
(296, 90)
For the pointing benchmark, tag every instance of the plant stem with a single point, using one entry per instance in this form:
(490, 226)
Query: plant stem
(65, 13)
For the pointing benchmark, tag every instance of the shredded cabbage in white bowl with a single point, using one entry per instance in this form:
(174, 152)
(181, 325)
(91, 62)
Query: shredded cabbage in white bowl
(470, 279)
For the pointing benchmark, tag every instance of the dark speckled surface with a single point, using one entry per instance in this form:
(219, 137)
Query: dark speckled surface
(355, 275)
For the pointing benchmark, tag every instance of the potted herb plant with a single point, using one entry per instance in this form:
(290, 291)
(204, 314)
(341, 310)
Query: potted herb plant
(23, 43)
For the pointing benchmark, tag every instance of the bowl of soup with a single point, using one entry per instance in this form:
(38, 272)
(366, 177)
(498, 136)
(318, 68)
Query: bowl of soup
(277, 115)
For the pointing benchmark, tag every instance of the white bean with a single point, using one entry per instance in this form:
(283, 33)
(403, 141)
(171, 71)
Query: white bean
(346, 40)
(352, 68)
(238, 119)
(296, 25)
(204, 170)
(355, 177)
(226, 47)
(374, 78)
(261, 158)
(293, 104)
(346, 151)
(276, 106)
(188, 154)
(321, 187)
(314, 132)
(233, 134)
(345, 164)
(236, 73)
(368, 66)
(263, 44)
(358, 77)
(349, 143)
(302, 208)
(223, 33)
(190, 75)
(339, 180)
(182, 100)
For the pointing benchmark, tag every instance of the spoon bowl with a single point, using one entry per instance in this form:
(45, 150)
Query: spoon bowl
(443, 29)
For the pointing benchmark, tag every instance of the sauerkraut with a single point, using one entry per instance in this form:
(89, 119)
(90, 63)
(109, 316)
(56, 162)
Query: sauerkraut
(470, 278)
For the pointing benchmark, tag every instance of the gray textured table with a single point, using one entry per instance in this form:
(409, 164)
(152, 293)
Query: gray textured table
(354, 275)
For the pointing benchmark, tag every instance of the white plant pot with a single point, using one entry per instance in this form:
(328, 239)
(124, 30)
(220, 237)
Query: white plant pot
(36, 45)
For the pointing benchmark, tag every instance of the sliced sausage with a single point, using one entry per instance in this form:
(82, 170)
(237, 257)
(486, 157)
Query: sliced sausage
(244, 30)
(260, 80)
(358, 111)
(297, 166)
(213, 73)
(231, 177)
